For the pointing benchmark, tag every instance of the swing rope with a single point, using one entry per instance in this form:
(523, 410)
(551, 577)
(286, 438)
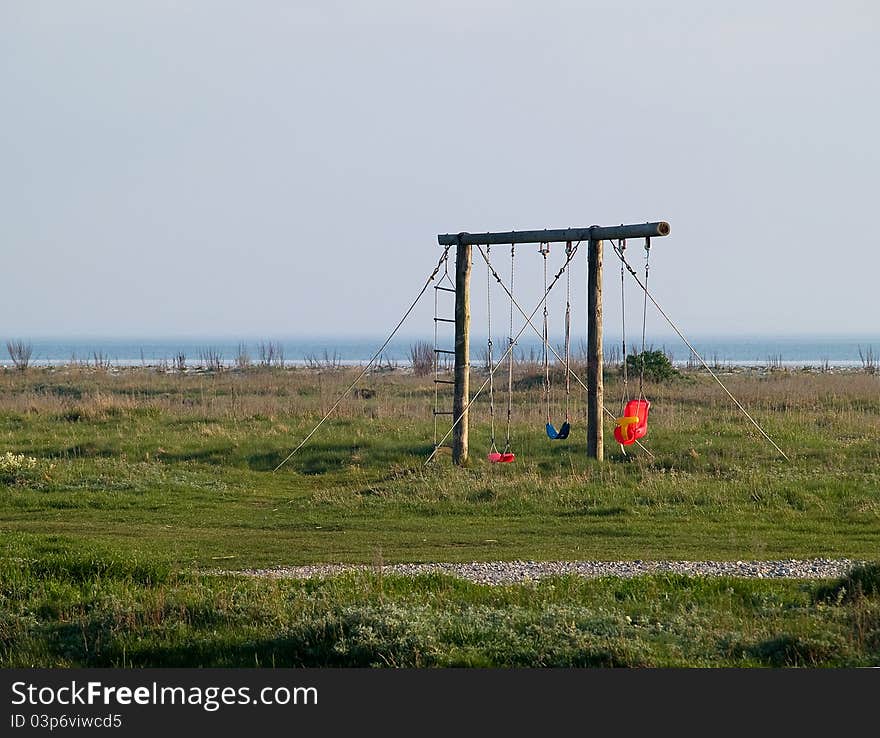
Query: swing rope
(644, 318)
(443, 260)
(545, 250)
(696, 353)
(564, 429)
(567, 334)
(621, 244)
(511, 343)
(489, 360)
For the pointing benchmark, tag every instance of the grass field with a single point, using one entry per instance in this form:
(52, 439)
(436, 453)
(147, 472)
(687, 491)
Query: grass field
(173, 473)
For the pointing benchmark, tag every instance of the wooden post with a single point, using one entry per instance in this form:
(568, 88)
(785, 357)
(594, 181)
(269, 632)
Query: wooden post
(595, 358)
(462, 354)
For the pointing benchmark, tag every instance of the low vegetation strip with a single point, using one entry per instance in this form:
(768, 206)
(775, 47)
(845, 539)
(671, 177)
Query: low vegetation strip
(514, 572)
(123, 613)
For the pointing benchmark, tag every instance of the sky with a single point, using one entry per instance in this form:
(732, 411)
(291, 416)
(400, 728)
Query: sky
(283, 168)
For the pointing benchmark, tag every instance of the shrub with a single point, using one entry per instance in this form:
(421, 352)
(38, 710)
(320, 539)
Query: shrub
(785, 651)
(271, 353)
(861, 581)
(20, 353)
(421, 355)
(16, 467)
(211, 359)
(657, 366)
(242, 357)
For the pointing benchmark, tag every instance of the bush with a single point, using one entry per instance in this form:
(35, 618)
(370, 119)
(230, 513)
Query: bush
(658, 367)
(421, 355)
(17, 468)
(242, 357)
(20, 353)
(862, 581)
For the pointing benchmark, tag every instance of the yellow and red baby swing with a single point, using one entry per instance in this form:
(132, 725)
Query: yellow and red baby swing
(633, 423)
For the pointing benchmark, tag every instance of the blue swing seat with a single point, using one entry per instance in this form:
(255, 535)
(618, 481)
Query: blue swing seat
(558, 435)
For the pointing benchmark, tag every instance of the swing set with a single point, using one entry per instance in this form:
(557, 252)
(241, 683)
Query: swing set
(630, 426)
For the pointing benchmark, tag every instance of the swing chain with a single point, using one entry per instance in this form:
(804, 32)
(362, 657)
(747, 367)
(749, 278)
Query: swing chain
(644, 316)
(568, 255)
(621, 247)
(544, 250)
(511, 341)
(489, 360)
(512, 265)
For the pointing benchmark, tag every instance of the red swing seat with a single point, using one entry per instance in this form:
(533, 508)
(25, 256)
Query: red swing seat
(634, 423)
(497, 457)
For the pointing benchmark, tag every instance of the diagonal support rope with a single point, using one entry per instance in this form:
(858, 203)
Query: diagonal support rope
(696, 353)
(375, 356)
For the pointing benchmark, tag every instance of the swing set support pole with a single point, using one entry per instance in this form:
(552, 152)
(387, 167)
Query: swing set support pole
(595, 357)
(461, 389)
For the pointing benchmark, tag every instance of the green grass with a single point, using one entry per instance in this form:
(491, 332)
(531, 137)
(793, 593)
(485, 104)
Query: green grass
(179, 468)
(140, 474)
(100, 612)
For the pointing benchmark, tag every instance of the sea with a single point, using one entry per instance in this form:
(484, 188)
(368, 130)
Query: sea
(852, 351)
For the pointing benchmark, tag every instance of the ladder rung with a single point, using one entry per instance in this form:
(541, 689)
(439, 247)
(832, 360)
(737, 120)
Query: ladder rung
(445, 289)
(444, 381)
(443, 412)
(443, 351)
(444, 320)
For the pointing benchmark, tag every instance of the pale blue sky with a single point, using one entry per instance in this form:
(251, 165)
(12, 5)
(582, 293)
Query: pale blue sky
(283, 168)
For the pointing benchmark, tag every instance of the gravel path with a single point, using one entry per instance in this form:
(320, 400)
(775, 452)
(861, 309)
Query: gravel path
(512, 572)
